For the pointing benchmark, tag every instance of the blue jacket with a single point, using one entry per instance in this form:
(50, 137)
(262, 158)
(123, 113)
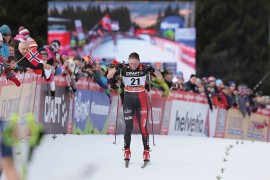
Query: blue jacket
(4, 50)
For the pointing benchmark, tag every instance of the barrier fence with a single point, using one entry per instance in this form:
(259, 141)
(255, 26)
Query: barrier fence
(92, 111)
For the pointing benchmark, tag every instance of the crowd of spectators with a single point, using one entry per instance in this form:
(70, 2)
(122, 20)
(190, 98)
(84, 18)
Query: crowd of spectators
(55, 61)
(218, 93)
(21, 53)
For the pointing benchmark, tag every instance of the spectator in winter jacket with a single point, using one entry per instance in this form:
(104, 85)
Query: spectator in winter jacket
(223, 100)
(26, 33)
(6, 36)
(13, 67)
(191, 84)
(20, 54)
(213, 90)
(4, 52)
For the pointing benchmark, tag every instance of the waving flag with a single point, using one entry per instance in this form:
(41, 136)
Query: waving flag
(34, 57)
(106, 22)
(90, 58)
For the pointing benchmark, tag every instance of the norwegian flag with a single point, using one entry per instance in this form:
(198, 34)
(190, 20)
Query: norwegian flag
(90, 58)
(34, 57)
(106, 22)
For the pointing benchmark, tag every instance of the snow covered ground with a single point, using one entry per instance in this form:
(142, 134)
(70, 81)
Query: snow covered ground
(83, 157)
(147, 52)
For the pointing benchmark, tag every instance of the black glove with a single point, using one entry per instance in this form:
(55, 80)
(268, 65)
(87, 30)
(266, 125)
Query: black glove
(22, 69)
(17, 69)
(52, 95)
(149, 68)
(2, 69)
(121, 65)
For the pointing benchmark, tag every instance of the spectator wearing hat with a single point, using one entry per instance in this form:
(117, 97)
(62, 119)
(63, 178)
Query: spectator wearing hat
(221, 95)
(232, 86)
(5, 31)
(6, 38)
(26, 33)
(232, 95)
(191, 84)
(4, 52)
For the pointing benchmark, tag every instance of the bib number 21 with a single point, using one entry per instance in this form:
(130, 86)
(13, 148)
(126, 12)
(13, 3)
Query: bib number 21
(135, 81)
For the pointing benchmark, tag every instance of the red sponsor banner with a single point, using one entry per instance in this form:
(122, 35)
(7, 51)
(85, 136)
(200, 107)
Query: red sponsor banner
(63, 37)
(145, 31)
(183, 53)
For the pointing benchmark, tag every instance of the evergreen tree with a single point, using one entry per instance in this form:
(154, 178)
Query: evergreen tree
(232, 40)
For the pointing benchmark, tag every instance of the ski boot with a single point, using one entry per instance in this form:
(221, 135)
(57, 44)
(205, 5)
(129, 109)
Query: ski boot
(146, 155)
(127, 155)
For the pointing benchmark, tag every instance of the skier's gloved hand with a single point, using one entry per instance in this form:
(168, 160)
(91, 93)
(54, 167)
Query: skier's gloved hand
(22, 69)
(121, 65)
(52, 95)
(149, 68)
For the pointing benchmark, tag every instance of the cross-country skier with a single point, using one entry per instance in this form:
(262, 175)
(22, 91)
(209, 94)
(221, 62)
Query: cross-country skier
(134, 79)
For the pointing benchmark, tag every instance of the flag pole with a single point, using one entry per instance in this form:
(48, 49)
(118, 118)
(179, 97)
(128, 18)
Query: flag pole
(21, 59)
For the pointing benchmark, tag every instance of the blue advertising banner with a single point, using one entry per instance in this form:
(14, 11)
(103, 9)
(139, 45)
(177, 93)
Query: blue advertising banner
(168, 26)
(81, 109)
(99, 109)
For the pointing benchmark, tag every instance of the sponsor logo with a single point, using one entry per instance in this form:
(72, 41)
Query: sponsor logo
(55, 110)
(167, 25)
(132, 73)
(172, 49)
(9, 106)
(156, 114)
(235, 122)
(189, 124)
(99, 109)
(128, 118)
(126, 111)
(144, 111)
(81, 108)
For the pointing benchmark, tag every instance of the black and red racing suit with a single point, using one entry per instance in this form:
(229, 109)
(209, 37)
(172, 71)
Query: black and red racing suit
(135, 101)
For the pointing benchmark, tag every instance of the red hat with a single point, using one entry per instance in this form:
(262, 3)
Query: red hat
(115, 62)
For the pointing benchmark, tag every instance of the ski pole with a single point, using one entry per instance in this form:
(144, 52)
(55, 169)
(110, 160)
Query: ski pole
(117, 110)
(151, 110)
(260, 82)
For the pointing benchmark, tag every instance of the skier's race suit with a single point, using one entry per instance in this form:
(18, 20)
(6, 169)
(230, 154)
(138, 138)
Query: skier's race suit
(135, 102)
